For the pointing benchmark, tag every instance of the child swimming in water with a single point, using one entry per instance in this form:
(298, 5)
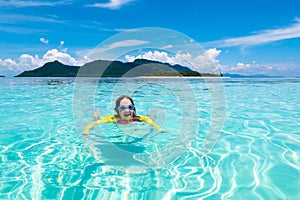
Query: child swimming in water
(126, 113)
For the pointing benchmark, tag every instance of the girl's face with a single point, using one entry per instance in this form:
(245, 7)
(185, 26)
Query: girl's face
(126, 109)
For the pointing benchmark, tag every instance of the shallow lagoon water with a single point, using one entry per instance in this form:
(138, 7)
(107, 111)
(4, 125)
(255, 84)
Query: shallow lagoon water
(44, 156)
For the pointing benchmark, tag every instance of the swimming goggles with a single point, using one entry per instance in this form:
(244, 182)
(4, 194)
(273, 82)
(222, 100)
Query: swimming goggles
(130, 107)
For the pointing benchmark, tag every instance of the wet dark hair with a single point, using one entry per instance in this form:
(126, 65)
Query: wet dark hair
(118, 101)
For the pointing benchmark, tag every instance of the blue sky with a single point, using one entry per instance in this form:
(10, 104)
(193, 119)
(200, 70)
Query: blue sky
(240, 37)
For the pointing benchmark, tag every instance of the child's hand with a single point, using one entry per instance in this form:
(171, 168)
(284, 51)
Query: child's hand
(97, 113)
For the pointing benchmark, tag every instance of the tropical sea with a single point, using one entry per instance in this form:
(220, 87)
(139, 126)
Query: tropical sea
(224, 139)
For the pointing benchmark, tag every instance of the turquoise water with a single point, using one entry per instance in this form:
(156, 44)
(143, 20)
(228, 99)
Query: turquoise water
(248, 149)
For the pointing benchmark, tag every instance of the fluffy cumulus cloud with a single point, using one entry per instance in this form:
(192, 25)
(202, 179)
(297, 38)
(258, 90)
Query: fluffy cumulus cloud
(205, 62)
(7, 65)
(12, 67)
(278, 69)
(208, 62)
(63, 57)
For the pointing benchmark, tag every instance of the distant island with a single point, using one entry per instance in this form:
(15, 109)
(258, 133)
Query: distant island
(250, 76)
(104, 68)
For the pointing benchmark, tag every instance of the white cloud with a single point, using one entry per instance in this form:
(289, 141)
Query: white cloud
(22, 3)
(112, 4)
(21, 30)
(104, 52)
(167, 46)
(262, 37)
(63, 57)
(125, 43)
(12, 67)
(16, 18)
(121, 29)
(205, 62)
(61, 44)
(8, 20)
(28, 61)
(254, 68)
(208, 62)
(8, 64)
(43, 40)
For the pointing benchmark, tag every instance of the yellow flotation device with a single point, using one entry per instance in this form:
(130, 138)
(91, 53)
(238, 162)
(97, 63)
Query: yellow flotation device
(112, 119)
